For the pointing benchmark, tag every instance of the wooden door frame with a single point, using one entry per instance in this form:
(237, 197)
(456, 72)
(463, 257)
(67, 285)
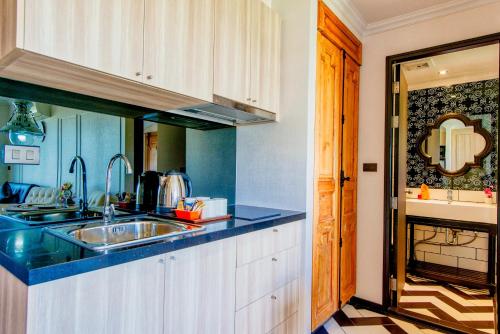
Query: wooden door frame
(390, 61)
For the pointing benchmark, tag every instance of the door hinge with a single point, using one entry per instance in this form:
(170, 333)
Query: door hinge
(340, 242)
(343, 119)
(394, 284)
(394, 203)
(395, 122)
(395, 87)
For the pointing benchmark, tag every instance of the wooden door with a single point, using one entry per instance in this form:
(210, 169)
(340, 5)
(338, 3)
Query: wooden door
(106, 35)
(327, 149)
(203, 280)
(265, 57)
(178, 46)
(350, 180)
(151, 154)
(232, 50)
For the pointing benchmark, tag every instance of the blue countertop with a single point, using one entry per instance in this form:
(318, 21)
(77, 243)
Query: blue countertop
(35, 256)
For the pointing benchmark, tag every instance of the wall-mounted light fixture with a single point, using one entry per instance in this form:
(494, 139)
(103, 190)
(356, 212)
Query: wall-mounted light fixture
(22, 126)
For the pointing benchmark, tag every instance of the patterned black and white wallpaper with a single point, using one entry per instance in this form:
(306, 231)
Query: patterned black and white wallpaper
(476, 100)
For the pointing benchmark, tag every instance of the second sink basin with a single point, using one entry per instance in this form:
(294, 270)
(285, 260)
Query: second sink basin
(123, 233)
(55, 216)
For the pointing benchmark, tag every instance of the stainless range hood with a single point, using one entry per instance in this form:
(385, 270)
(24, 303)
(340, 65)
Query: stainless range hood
(207, 116)
(178, 110)
(228, 110)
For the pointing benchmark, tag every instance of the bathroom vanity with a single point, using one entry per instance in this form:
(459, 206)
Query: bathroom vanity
(454, 275)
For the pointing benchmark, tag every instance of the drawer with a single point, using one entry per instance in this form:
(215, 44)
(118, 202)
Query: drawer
(290, 326)
(261, 277)
(259, 244)
(263, 315)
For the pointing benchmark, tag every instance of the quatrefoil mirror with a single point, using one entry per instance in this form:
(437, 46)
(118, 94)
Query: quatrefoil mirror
(454, 144)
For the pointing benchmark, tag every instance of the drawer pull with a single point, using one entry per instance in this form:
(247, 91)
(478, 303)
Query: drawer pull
(161, 261)
(274, 259)
(273, 297)
(275, 230)
(172, 258)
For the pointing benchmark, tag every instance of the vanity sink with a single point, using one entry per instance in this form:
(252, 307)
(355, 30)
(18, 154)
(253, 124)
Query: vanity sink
(123, 233)
(455, 210)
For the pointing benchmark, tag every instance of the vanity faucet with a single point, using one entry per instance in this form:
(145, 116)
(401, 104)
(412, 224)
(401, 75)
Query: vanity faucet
(84, 205)
(450, 195)
(109, 209)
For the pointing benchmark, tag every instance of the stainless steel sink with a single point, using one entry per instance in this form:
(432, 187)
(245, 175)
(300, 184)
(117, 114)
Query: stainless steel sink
(123, 233)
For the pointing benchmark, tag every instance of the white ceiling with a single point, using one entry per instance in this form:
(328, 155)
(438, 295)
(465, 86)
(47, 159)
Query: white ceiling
(462, 66)
(378, 10)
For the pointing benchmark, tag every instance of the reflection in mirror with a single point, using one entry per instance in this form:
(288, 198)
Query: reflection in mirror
(455, 144)
(33, 174)
(67, 133)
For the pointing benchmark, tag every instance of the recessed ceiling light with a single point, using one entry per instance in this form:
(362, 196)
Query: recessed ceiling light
(443, 72)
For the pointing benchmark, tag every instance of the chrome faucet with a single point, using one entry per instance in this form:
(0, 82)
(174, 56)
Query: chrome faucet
(449, 195)
(84, 205)
(109, 209)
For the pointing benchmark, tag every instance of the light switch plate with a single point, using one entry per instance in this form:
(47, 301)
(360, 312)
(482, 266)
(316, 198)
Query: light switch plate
(370, 167)
(23, 155)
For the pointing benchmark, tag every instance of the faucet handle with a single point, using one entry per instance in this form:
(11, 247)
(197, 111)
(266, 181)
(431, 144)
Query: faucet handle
(109, 213)
(112, 212)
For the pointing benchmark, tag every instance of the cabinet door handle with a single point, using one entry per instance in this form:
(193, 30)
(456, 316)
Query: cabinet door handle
(172, 258)
(254, 101)
(249, 99)
(273, 297)
(275, 230)
(137, 74)
(161, 261)
(149, 77)
(274, 259)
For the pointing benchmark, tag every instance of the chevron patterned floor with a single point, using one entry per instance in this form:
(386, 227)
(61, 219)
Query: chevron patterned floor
(471, 310)
(447, 303)
(359, 321)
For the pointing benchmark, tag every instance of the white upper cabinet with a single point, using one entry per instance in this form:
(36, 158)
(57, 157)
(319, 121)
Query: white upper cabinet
(195, 48)
(265, 57)
(106, 35)
(247, 53)
(178, 46)
(232, 50)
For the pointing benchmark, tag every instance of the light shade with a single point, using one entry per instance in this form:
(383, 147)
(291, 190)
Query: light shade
(22, 121)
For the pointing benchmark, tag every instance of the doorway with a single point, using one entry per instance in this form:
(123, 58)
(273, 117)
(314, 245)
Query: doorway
(441, 179)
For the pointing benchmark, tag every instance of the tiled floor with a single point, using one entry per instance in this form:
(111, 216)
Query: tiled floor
(449, 303)
(429, 300)
(360, 321)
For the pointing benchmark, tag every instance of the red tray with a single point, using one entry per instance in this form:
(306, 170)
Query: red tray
(181, 215)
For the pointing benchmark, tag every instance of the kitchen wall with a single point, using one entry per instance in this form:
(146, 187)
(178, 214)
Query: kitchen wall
(454, 27)
(211, 162)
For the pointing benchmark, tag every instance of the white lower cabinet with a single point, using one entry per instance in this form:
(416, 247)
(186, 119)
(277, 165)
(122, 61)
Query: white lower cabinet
(290, 325)
(269, 311)
(200, 288)
(196, 290)
(263, 276)
(267, 281)
(125, 299)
